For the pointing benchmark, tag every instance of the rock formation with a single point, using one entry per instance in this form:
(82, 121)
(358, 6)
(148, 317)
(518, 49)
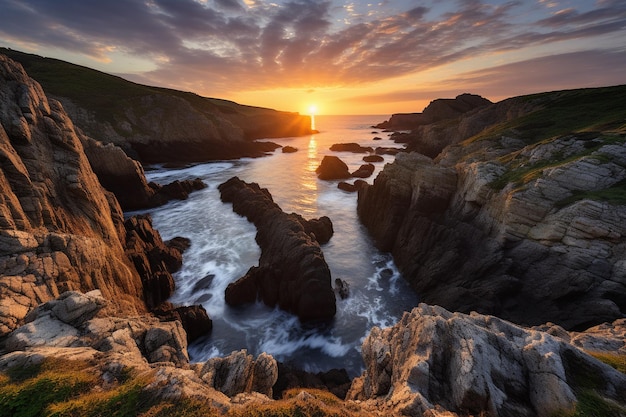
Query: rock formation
(437, 110)
(292, 272)
(364, 171)
(59, 229)
(351, 147)
(434, 362)
(332, 168)
(125, 178)
(508, 224)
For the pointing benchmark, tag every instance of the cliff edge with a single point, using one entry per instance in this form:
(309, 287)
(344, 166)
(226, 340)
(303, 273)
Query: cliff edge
(524, 220)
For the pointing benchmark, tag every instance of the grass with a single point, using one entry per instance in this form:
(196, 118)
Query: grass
(590, 404)
(616, 360)
(61, 388)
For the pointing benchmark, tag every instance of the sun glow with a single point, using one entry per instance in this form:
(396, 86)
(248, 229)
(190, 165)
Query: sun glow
(313, 109)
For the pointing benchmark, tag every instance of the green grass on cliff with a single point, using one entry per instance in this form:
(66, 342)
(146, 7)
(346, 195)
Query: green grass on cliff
(61, 388)
(108, 95)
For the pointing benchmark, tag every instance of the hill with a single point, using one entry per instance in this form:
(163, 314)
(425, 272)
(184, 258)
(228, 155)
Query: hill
(155, 124)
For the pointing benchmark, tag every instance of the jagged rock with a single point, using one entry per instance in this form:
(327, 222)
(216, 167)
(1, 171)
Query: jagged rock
(467, 245)
(433, 359)
(332, 168)
(240, 372)
(194, 319)
(364, 171)
(373, 158)
(342, 288)
(335, 380)
(59, 229)
(605, 337)
(350, 147)
(292, 271)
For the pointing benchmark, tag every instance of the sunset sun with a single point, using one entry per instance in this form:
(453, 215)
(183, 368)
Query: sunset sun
(313, 109)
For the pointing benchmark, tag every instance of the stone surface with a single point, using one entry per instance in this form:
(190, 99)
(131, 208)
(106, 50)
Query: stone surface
(332, 168)
(351, 147)
(364, 171)
(472, 364)
(292, 272)
(466, 244)
(59, 229)
(240, 372)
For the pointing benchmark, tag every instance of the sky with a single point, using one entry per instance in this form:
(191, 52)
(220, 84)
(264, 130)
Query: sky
(353, 57)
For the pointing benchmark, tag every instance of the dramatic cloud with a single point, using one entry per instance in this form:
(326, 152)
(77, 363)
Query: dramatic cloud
(233, 45)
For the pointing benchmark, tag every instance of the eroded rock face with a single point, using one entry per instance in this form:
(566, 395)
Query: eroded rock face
(292, 271)
(433, 360)
(466, 244)
(125, 178)
(59, 229)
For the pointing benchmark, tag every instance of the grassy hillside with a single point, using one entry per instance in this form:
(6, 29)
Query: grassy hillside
(105, 94)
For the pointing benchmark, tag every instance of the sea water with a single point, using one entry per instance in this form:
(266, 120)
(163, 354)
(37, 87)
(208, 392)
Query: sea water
(223, 248)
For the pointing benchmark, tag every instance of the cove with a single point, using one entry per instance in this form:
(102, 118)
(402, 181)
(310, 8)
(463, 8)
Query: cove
(223, 248)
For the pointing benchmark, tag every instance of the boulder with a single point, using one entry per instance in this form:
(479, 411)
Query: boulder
(350, 147)
(352, 188)
(292, 272)
(240, 372)
(364, 171)
(336, 381)
(373, 158)
(473, 364)
(332, 168)
(289, 149)
(194, 319)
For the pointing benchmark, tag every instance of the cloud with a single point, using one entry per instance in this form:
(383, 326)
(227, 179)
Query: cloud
(587, 68)
(233, 45)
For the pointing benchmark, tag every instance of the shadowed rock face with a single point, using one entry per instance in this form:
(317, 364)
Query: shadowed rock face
(292, 271)
(59, 229)
(472, 364)
(521, 252)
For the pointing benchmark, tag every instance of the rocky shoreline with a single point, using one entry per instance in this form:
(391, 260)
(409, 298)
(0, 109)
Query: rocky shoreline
(81, 285)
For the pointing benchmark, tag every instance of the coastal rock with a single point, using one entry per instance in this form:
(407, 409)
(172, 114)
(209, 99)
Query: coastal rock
(505, 220)
(351, 147)
(373, 158)
(364, 171)
(292, 272)
(336, 381)
(437, 110)
(289, 149)
(125, 178)
(436, 360)
(240, 372)
(194, 319)
(59, 229)
(332, 168)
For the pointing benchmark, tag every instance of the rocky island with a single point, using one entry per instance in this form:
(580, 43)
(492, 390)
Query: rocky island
(516, 219)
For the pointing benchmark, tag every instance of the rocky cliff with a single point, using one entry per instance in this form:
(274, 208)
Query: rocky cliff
(524, 220)
(155, 124)
(437, 363)
(436, 111)
(60, 230)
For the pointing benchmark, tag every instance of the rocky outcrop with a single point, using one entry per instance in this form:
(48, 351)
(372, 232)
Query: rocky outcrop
(373, 158)
(332, 168)
(502, 222)
(59, 229)
(351, 147)
(434, 362)
(437, 110)
(364, 171)
(73, 327)
(292, 272)
(125, 178)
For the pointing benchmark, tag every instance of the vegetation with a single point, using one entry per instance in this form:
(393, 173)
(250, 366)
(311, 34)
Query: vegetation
(590, 404)
(107, 95)
(616, 360)
(61, 388)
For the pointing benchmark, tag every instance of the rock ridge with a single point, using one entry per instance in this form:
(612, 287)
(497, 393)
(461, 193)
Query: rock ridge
(292, 272)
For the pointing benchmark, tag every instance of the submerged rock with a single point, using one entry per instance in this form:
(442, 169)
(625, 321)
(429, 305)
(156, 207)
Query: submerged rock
(292, 272)
(472, 364)
(350, 147)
